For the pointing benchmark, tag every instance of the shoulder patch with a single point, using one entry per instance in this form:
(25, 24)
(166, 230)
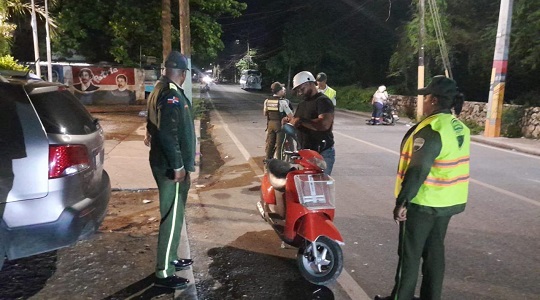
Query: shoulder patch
(457, 126)
(418, 144)
(173, 100)
(172, 86)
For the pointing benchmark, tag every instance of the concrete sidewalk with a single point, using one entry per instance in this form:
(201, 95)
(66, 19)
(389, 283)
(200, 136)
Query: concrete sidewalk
(128, 167)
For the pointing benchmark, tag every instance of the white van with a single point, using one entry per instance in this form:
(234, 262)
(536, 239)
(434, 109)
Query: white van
(251, 79)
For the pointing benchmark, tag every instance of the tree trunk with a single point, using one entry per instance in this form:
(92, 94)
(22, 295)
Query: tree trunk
(166, 27)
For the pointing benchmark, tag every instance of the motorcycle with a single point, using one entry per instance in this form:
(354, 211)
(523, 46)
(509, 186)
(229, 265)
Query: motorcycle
(205, 84)
(389, 115)
(298, 201)
(205, 88)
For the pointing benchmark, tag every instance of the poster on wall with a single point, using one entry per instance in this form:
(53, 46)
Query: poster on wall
(104, 85)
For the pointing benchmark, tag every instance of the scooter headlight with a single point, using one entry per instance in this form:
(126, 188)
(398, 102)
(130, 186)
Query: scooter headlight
(320, 163)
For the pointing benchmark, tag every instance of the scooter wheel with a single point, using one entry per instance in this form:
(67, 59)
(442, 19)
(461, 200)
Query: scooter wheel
(322, 265)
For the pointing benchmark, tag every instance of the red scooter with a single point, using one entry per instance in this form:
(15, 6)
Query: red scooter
(298, 201)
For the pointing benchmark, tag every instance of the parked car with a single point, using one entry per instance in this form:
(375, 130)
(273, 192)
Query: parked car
(53, 188)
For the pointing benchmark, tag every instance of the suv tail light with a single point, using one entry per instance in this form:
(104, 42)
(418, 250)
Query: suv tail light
(65, 160)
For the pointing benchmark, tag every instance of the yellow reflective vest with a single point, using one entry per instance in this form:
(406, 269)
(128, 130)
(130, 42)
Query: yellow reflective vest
(331, 93)
(447, 183)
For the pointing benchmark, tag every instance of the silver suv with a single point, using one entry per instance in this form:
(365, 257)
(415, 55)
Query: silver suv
(53, 189)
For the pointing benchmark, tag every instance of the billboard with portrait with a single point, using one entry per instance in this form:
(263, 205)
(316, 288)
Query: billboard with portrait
(104, 85)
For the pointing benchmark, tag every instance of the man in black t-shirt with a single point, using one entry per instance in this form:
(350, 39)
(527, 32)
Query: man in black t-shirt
(314, 119)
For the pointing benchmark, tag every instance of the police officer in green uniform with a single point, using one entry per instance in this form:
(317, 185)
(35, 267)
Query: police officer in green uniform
(431, 186)
(171, 137)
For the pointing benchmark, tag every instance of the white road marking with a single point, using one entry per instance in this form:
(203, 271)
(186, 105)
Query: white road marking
(505, 192)
(486, 185)
(506, 150)
(345, 280)
(351, 287)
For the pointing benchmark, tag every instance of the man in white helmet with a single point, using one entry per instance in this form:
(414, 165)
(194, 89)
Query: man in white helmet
(314, 118)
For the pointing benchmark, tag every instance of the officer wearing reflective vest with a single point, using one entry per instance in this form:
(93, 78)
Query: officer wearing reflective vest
(432, 186)
(274, 109)
(171, 137)
(324, 88)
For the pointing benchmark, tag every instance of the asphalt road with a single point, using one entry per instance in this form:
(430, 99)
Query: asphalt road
(491, 248)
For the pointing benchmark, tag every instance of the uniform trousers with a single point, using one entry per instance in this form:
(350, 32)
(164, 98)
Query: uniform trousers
(172, 203)
(273, 134)
(421, 236)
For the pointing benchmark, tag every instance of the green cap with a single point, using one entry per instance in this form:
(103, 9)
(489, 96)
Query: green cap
(175, 60)
(441, 86)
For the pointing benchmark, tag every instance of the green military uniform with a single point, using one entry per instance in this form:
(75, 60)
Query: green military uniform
(170, 125)
(432, 182)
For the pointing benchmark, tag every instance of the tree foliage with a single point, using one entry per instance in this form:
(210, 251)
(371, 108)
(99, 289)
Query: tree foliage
(470, 29)
(122, 30)
(10, 12)
(374, 42)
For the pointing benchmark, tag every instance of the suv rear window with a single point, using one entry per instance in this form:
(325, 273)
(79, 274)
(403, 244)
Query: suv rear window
(61, 113)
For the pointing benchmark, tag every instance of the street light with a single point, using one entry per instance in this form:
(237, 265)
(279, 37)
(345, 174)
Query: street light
(248, 53)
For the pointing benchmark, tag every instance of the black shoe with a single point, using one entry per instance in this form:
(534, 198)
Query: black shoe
(172, 282)
(182, 264)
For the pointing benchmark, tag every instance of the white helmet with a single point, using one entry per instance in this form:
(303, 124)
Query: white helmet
(381, 89)
(302, 77)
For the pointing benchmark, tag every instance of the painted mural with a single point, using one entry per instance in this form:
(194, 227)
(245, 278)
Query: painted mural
(104, 85)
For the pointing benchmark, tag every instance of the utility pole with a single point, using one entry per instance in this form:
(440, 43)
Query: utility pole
(48, 42)
(35, 37)
(420, 98)
(498, 71)
(166, 28)
(185, 44)
(248, 55)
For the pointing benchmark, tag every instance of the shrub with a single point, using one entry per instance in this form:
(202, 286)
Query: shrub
(511, 121)
(7, 62)
(473, 126)
(354, 98)
(199, 108)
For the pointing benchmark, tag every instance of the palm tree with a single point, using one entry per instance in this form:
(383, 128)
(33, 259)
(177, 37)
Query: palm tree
(11, 8)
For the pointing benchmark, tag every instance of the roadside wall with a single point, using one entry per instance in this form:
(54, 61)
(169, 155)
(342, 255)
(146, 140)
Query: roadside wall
(94, 85)
(475, 112)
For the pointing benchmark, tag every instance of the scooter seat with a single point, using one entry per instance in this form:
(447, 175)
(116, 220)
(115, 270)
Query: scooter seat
(278, 170)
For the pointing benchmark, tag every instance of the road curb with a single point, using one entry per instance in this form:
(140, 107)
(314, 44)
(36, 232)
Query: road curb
(184, 250)
(503, 145)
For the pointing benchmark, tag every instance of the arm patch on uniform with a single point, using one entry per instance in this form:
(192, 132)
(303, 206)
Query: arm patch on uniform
(418, 144)
(173, 100)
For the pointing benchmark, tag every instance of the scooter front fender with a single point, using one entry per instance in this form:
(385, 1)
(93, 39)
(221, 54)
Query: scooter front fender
(313, 225)
(267, 190)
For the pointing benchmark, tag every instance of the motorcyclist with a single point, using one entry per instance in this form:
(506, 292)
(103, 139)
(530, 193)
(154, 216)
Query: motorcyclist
(378, 100)
(314, 119)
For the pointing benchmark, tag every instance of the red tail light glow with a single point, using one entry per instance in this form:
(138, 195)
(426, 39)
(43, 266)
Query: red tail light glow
(65, 160)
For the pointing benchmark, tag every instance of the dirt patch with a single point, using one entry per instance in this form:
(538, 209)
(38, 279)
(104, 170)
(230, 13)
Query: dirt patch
(133, 212)
(211, 159)
(115, 263)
